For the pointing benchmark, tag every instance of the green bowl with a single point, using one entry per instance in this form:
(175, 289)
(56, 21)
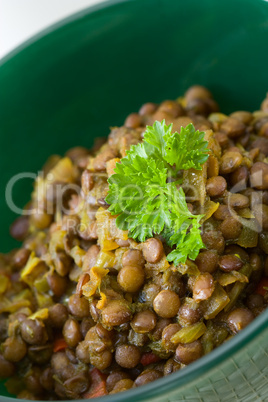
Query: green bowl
(73, 81)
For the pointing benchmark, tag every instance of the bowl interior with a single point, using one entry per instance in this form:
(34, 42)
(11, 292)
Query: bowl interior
(87, 73)
(71, 83)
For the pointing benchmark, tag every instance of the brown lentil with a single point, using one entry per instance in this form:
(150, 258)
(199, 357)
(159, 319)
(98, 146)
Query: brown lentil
(236, 201)
(102, 360)
(122, 385)
(214, 240)
(76, 385)
(230, 161)
(162, 323)
(255, 301)
(62, 263)
(40, 354)
(216, 186)
(87, 181)
(46, 379)
(134, 338)
(199, 107)
(229, 262)
(76, 153)
(58, 315)
(230, 228)
(21, 257)
(7, 369)
(259, 176)
(259, 122)
(167, 334)
(197, 92)
(147, 108)
(153, 250)
(255, 261)
(144, 321)
(71, 333)
(161, 115)
(19, 228)
(222, 139)
(147, 376)
(222, 212)
(264, 130)
(57, 284)
(131, 278)
(239, 318)
(14, 349)
(173, 108)
(233, 127)
(238, 251)
(116, 313)
(171, 366)
(166, 304)
(262, 144)
(239, 177)
(243, 116)
(254, 153)
(94, 311)
(188, 314)
(114, 378)
(33, 332)
(207, 261)
(82, 352)
(85, 278)
(78, 306)
(91, 257)
(32, 381)
(127, 356)
(203, 287)
(133, 120)
(41, 220)
(187, 353)
(133, 257)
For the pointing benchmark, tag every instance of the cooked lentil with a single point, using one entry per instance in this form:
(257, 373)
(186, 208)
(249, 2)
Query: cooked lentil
(81, 304)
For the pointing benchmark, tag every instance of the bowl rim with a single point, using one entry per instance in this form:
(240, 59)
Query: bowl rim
(205, 364)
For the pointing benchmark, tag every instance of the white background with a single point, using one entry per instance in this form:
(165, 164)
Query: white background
(20, 19)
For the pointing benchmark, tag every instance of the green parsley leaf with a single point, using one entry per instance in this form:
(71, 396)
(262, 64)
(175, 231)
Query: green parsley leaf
(144, 195)
(186, 149)
(156, 134)
(190, 140)
(135, 192)
(185, 233)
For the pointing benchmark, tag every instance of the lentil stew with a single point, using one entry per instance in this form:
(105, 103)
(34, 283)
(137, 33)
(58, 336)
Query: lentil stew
(86, 311)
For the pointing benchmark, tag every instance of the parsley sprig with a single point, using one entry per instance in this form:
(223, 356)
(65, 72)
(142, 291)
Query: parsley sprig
(144, 191)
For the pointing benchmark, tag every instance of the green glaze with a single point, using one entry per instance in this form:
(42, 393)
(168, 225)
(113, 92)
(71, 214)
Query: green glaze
(78, 78)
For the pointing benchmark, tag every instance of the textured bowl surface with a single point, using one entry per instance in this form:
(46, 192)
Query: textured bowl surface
(78, 78)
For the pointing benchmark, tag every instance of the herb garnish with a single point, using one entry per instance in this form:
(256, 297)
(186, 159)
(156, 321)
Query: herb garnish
(144, 191)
